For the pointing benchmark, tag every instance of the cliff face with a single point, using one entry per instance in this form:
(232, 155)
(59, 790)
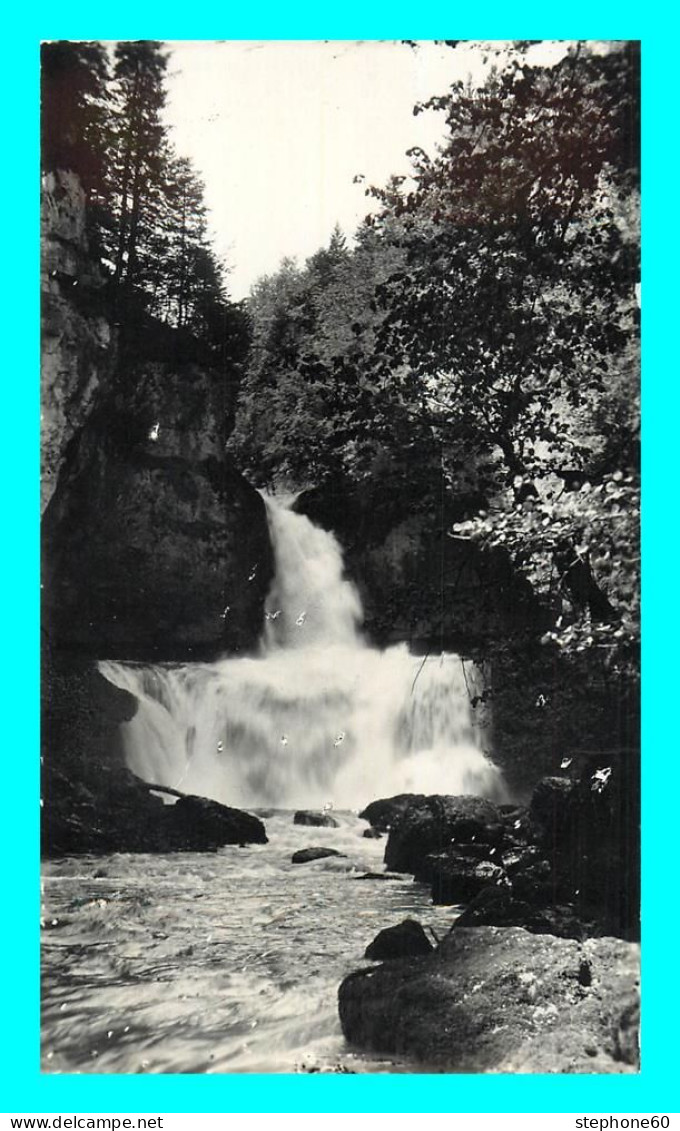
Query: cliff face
(77, 353)
(154, 546)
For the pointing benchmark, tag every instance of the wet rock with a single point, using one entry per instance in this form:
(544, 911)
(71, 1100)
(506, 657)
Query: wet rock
(457, 878)
(372, 834)
(499, 907)
(500, 1000)
(380, 876)
(517, 859)
(199, 824)
(316, 820)
(551, 807)
(405, 940)
(306, 855)
(536, 884)
(434, 861)
(382, 814)
(590, 831)
(432, 824)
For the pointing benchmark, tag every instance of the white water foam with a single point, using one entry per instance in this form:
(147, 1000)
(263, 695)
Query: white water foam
(318, 717)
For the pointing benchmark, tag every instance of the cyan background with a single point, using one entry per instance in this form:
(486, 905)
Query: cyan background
(23, 1088)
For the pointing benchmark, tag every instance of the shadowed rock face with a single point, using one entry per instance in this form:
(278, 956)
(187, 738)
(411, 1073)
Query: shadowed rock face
(430, 824)
(501, 1000)
(151, 554)
(77, 344)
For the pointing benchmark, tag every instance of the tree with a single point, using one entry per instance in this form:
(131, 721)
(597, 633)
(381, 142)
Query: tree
(74, 110)
(513, 322)
(137, 171)
(314, 403)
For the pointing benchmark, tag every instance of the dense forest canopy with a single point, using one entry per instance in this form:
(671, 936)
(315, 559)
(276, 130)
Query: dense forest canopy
(483, 334)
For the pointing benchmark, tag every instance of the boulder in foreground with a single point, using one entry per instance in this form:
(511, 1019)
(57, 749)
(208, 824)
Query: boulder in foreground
(492, 999)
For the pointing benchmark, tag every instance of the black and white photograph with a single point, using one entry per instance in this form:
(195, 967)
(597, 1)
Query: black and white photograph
(340, 557)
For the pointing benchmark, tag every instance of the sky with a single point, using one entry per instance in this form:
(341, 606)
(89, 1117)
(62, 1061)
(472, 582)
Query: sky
(279, 131)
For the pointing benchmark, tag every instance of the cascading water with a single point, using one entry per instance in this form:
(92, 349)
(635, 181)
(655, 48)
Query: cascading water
(319, 716)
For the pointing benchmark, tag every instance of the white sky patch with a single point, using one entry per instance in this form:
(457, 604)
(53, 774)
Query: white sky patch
(278, 131)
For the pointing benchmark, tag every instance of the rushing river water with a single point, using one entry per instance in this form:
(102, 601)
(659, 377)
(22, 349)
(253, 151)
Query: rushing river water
(220, 962)
(231, 961)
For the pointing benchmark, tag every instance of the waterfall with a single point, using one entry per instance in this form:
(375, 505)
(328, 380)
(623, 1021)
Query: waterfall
(318, 716)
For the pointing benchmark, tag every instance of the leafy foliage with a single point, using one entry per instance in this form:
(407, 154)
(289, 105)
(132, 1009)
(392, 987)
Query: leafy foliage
(484, 330)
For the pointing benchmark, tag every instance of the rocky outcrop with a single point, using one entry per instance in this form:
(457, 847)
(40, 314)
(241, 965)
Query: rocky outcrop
(200, 824)
(567, 865)
(502, 1000)
(500, 907)
(77, 343)
(151, 552)
(589, 831)
(382, 814)
(417, 583)
(432, 823)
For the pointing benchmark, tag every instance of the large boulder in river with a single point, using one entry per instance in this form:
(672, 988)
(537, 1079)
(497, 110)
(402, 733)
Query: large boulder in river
(308, 855)
(382, 814)
(432, 823)
(501, 1000)
(199, 824)
(315, 820)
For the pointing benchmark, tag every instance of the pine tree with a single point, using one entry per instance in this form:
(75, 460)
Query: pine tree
(74, 110)
(140, 154)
